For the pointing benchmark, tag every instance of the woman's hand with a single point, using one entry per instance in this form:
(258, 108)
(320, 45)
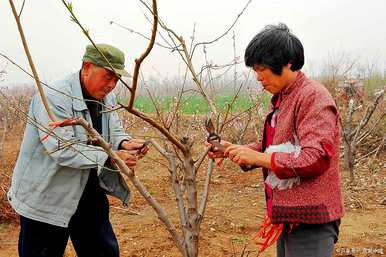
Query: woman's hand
(215, 153)
(245, 156)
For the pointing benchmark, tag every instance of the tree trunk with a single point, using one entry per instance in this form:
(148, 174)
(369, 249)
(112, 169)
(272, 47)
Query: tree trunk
(192, 230)
(350, 161)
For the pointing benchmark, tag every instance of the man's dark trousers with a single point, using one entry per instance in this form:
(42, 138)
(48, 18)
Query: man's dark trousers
(90, 230)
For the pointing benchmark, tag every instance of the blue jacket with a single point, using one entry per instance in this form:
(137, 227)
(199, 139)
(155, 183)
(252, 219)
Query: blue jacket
(50, 175)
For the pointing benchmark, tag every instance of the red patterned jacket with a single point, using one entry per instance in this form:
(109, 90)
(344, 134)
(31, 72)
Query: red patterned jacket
(308, 111)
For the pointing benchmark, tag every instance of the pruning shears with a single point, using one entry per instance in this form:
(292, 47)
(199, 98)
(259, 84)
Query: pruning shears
(213, 138)
(138, 150)
(146, 143)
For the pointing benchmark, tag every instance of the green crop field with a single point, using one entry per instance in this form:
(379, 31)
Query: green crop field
(197, 104)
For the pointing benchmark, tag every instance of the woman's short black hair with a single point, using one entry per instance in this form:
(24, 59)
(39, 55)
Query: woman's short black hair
(274, 47)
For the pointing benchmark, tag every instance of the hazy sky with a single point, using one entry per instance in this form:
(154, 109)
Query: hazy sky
(326, 28)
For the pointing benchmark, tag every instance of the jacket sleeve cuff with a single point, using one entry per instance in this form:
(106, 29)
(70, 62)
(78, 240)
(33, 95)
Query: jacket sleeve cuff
(120, 143)
(273, 164)
(101, 160)
(281, 171)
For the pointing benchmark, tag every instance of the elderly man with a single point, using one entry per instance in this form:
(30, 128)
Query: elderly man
(60, 182)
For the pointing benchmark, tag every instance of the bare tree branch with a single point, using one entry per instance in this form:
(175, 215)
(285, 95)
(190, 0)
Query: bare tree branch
(30, 61)
(144, 55)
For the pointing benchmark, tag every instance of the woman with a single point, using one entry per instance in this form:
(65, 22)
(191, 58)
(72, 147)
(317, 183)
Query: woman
(299, 151)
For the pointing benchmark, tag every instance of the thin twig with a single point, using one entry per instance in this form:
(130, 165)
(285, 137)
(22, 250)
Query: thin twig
(60, 141)
(156, 105)
(201, 159)
(142, 35)
(230, 106)
(175, 47)
(126, 210)
(21, 9)
(56, 90)
(226, 31)
(372, 129)
(68, 6)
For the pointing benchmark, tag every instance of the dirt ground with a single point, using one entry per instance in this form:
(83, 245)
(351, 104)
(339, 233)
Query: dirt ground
(233, 214)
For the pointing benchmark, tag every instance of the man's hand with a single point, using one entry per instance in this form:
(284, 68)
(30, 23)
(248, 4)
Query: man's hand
(139, 145)
(245, 156)
(129, 157)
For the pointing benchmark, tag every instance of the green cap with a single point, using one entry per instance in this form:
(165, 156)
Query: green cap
(113, 54)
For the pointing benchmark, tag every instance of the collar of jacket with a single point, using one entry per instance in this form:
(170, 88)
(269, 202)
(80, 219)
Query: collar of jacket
(300, 77)
(76, 90)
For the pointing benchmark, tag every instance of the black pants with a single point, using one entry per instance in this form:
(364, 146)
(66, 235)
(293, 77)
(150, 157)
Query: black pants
(309, 240)
(90, 230)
